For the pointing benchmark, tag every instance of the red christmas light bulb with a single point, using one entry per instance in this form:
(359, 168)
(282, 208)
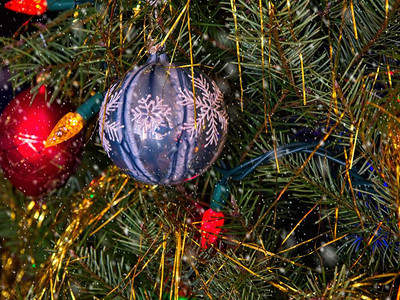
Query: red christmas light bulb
(210, 227)
(29, 7)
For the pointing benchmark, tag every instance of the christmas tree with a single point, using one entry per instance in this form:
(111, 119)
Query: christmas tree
(302, 201)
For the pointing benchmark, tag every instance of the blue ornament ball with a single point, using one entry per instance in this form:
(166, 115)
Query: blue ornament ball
(156, 129)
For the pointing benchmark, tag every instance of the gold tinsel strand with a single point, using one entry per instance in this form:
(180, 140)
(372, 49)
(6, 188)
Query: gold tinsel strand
(18, 264)
(55, 270)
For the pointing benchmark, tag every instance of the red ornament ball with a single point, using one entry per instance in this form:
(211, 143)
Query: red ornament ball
(25, 124)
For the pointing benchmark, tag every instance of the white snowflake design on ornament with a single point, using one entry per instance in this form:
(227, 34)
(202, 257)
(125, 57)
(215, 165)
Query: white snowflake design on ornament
(105, 125)
(152, 114)
(209, 110)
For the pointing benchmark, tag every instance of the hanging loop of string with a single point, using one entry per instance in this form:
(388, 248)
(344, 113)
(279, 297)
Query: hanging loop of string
(152, 46)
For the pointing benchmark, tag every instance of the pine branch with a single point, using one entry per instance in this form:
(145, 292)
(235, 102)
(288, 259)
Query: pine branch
(377, 35)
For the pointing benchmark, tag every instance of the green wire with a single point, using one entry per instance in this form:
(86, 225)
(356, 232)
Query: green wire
(221, 190)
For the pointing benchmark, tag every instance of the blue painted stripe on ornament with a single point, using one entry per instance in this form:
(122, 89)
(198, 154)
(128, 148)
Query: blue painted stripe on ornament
(126, 113)
(150, 90)
(182, 153)
(186, 160)
(187, 150)
(189, 147)
(135, 160)
(129, 163)
(174, 171)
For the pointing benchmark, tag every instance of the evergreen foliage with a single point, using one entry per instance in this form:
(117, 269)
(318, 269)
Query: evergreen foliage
(299, 227)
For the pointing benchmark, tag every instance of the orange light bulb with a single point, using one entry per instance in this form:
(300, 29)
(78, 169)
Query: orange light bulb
(68, 126)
